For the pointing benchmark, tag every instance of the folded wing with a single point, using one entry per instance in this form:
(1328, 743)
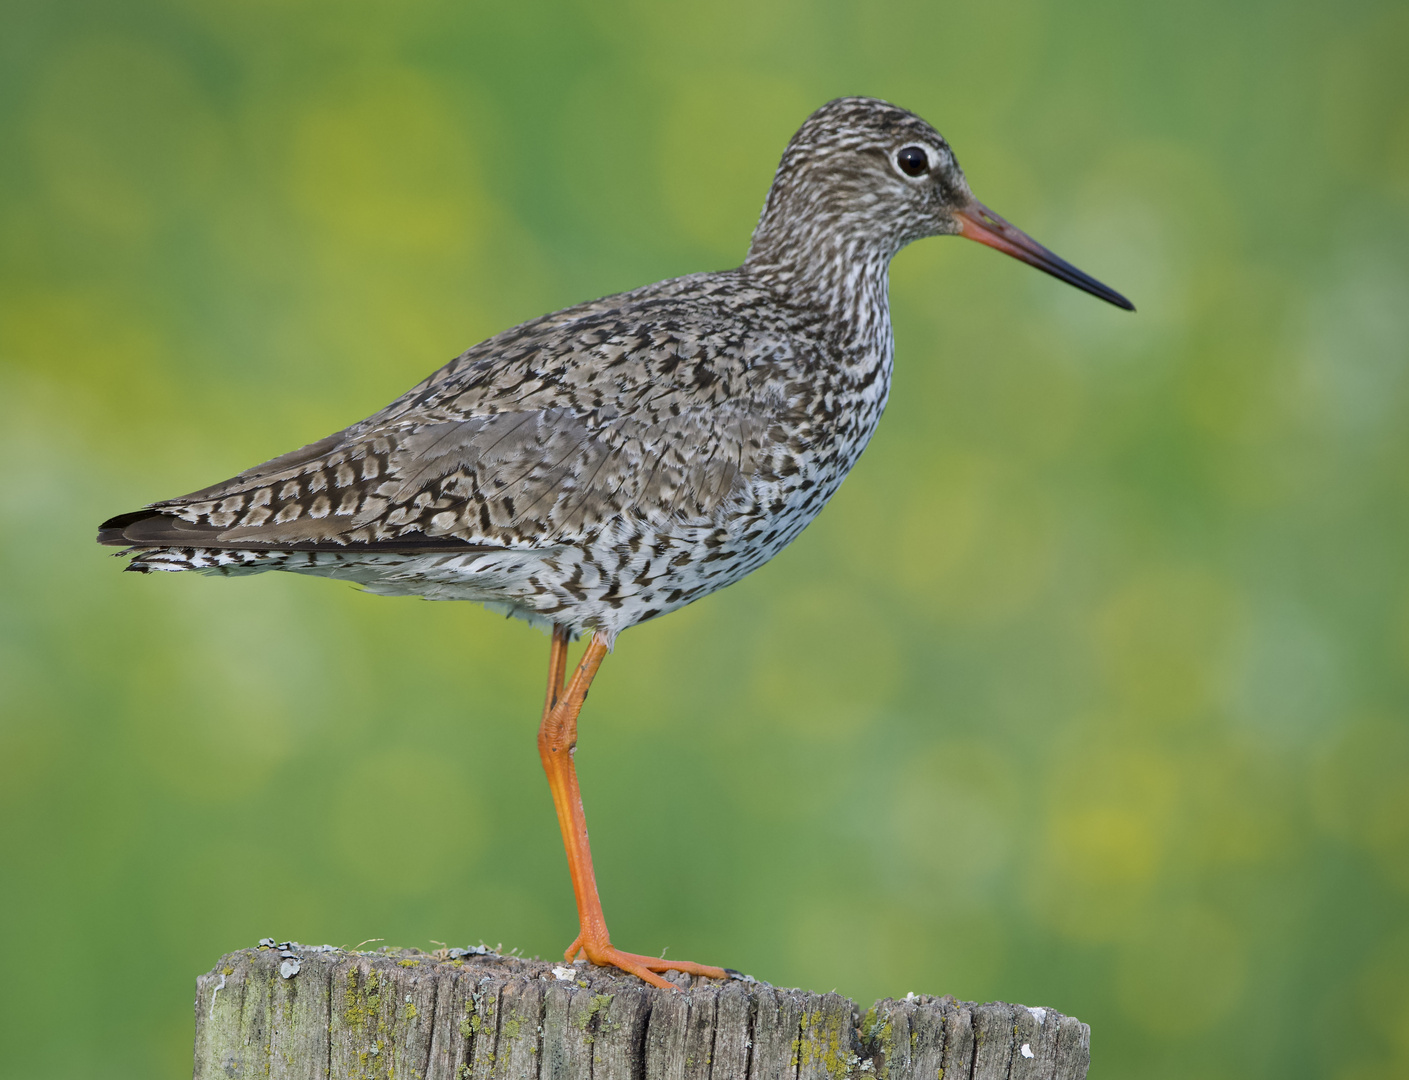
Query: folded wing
(501, 452)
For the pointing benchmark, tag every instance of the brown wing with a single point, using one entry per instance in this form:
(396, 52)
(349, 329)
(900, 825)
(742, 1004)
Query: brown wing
(559, 438)
(540, 478)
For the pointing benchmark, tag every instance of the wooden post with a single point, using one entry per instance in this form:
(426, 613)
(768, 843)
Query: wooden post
(291, 1012)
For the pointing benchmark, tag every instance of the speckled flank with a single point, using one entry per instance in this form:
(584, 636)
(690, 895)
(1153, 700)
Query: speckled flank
(611, 462)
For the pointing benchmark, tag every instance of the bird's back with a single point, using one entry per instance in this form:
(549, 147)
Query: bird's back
(701, 418)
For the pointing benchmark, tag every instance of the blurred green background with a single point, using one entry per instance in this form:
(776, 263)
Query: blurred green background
(1089, 689)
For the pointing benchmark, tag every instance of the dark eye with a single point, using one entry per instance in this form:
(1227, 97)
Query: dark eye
(913, 161)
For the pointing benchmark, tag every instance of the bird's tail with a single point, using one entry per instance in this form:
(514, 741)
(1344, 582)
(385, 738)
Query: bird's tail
(145, 560)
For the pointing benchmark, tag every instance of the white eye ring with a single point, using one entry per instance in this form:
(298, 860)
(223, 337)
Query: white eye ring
(908, 163)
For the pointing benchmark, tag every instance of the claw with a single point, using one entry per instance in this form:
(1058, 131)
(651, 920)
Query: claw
(644, 967)
(573, 949)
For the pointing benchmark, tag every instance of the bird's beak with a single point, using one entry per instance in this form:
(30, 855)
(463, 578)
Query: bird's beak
(978, 222)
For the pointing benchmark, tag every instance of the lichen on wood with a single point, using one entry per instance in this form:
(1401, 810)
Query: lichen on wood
(286, 1012)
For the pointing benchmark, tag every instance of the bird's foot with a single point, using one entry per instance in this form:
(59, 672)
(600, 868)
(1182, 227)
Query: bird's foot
(605, 954)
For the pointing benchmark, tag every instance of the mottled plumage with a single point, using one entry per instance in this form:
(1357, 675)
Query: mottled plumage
(610, 462)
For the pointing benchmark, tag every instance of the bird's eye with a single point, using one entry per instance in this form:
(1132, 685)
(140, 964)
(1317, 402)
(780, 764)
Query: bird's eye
(913, 161)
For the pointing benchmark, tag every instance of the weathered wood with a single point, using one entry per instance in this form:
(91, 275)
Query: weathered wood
(289, 1012)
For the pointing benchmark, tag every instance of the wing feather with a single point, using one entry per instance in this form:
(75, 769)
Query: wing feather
(533, 438)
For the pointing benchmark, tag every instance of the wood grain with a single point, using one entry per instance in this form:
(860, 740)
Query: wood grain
(288, 1012)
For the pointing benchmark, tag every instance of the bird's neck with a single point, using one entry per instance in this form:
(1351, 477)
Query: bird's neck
(845, 281)
(826, 255)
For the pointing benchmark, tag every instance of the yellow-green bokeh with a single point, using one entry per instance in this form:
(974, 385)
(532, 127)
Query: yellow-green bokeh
(1089, 689)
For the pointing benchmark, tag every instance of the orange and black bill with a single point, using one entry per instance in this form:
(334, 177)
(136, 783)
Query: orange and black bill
(978, 222)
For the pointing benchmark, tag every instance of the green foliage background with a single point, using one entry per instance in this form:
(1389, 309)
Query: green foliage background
(1088, 690)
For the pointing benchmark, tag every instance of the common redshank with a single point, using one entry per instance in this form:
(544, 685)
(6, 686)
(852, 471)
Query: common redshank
(608, 463)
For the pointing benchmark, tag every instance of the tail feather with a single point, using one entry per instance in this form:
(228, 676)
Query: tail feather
(145, 560)
(158, 529)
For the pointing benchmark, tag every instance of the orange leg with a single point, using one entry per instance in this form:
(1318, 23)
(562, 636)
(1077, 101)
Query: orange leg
(557, 739)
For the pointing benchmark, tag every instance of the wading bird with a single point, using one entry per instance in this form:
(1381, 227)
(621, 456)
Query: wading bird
(611, 462)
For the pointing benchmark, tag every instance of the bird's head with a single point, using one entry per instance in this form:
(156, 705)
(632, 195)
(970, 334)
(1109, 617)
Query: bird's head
(863, 178)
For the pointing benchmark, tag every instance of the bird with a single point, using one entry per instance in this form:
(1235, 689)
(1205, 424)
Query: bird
(609, 463)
